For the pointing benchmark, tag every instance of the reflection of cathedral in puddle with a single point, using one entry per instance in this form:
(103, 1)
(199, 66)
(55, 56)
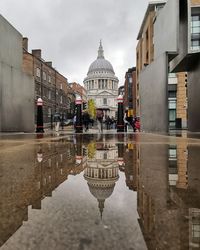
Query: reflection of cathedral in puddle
(102, 172)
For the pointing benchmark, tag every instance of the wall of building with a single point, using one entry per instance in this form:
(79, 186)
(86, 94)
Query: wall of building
(193, 98)
(153, 96)
(10, 44)
(16, 88)
(195, 2)
(17, 100)
(166, 30)
(145, 54)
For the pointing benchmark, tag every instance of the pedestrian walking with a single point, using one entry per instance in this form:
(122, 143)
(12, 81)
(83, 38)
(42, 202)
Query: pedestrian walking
(108, 122)
(137, 124)
(86, 120)
(57, 121)
(126, 122)
(99, 117)
(113, 123)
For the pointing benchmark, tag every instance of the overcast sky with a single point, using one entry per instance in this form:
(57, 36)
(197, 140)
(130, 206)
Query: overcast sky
(68, 31)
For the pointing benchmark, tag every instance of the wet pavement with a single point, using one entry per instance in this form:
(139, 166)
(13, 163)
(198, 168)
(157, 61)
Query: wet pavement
(99, 191)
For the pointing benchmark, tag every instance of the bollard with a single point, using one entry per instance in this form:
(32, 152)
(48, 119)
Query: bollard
(79, 149)
(120, 114)
(40, 126)
(120, 146)
(78, 124)
(39, 156)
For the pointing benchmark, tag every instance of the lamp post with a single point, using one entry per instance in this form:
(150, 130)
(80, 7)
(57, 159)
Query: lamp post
(78, 124)
(120, 114)
(40, 126)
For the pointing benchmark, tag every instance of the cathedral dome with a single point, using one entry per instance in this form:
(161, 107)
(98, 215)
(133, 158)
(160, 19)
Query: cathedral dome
(101, 192)
(101, 65)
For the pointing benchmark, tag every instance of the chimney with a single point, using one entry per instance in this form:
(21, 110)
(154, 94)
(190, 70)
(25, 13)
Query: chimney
(25, 43)
(37, 53)
(49, 64)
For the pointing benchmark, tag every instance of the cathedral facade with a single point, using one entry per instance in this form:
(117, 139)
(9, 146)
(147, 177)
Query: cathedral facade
(102, 84)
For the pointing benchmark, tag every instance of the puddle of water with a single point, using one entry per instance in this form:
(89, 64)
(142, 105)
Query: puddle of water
(100, 192)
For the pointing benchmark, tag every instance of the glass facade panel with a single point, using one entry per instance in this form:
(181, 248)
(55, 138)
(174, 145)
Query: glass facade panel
(172, 104)
(172, 78)
(195, 32)
(172, 115)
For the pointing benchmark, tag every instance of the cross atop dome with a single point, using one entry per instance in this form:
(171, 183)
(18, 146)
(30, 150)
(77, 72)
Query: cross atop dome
(100, 51)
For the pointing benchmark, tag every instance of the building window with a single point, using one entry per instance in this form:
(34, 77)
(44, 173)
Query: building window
(173, 170)
(172, 109)
(61, 99)
(195, 32)
(196, 230)
(38, 72)
(172, 118)
(195, 44)
(61, 86)
(44, 76)
(104, 101)
(172, 94)
(172, 79)
(49, 79)
(172, 104)
(195, 227)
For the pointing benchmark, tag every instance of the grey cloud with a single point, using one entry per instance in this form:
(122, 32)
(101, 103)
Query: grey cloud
(68, 31)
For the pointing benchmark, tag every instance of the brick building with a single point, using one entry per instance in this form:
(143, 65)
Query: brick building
(79, 91)
(50, 85)
(129, 91)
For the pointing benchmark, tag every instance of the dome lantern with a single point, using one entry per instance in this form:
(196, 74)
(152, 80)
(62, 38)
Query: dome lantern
(101, 65)
(100, 51)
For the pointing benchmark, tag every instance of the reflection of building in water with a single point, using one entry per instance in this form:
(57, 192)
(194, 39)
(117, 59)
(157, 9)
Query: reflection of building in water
(194, 228)
(168, 196)
(27, 178)
(130, 165)
(102, 172)
(178, 165)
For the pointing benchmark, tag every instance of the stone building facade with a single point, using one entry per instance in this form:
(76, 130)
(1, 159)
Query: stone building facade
(49, 84)
(102, 84)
